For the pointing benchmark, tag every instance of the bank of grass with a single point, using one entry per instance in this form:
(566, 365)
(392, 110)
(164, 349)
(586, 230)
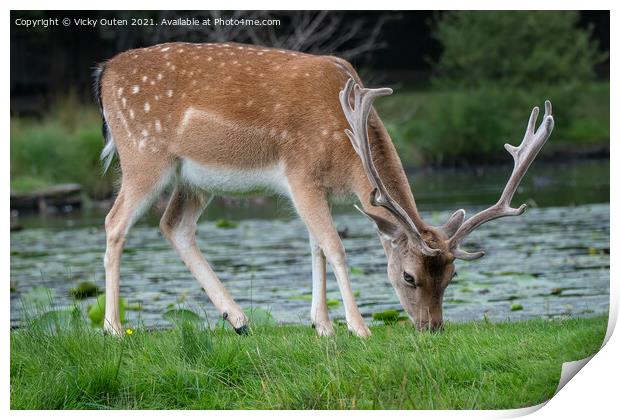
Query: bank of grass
(61, 147)
(476, 365)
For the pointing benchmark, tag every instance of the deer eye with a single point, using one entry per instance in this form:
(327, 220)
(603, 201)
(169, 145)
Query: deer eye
(409, 279)
(455, 274)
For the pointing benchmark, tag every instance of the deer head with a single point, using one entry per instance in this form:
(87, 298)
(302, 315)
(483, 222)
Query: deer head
(420, 256)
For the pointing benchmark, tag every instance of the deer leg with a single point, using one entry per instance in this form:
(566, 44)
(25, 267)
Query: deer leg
(178, 224)
(132, 201)
(313, 208)
(319, 314)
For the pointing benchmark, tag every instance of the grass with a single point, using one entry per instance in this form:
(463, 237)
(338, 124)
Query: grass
(61, 147)
(476, 365)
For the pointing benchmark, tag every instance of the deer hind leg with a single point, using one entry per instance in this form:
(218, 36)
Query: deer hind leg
(138, 190)
(319, 314)
(312, 206)
(178, 224)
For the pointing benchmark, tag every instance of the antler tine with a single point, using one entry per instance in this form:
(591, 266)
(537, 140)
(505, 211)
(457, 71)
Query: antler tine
(523, 156)
(358, 135)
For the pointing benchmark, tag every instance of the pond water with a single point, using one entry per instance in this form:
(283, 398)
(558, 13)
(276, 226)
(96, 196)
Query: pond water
(551, 262)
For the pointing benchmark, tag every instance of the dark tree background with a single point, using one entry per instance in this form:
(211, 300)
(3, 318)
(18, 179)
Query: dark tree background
(387, 46)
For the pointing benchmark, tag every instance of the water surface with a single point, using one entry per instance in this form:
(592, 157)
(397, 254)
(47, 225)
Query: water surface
(553, 261)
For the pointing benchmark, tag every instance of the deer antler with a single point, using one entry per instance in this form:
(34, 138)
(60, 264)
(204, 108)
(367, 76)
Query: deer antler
(358, 135)
(523, 156)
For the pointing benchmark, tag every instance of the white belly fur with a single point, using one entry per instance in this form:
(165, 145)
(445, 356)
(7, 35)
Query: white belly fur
(222, 180)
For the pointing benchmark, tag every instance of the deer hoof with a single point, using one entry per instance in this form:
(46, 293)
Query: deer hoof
(361, 331)
(323, 329)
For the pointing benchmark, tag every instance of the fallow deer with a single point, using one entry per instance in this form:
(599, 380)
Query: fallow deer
(219, 118)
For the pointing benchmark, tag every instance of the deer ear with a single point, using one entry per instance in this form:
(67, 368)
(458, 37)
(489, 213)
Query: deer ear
(387, 230)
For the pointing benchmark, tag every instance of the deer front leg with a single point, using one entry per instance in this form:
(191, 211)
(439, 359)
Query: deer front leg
(313, 208)
(319, 314)
(178, 224)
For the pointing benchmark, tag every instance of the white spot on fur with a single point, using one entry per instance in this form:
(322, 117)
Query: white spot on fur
(165, 49)
(144, 132)
(124, 101)
(145, 78)
(131, 114)
(147, 107)
(159, 76)
(169, 93)
(119, 92)
(158, 126)
(135, 89)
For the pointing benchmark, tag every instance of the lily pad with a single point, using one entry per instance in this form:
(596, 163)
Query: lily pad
(96, 311)
(391, 316)
(225, 224)
(182, 316)
(356, 271)
(38, 296)
(84, 289)
(260, 316)
(59, 320)
(332, 302)
(307, 297)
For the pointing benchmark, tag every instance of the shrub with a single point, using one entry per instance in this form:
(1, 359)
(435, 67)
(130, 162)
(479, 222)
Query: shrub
(514, 48)
(471, 125)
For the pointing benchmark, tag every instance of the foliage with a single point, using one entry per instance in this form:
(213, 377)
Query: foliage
(514, 48)
(471, 125)
(478, 365)
(64, 146)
